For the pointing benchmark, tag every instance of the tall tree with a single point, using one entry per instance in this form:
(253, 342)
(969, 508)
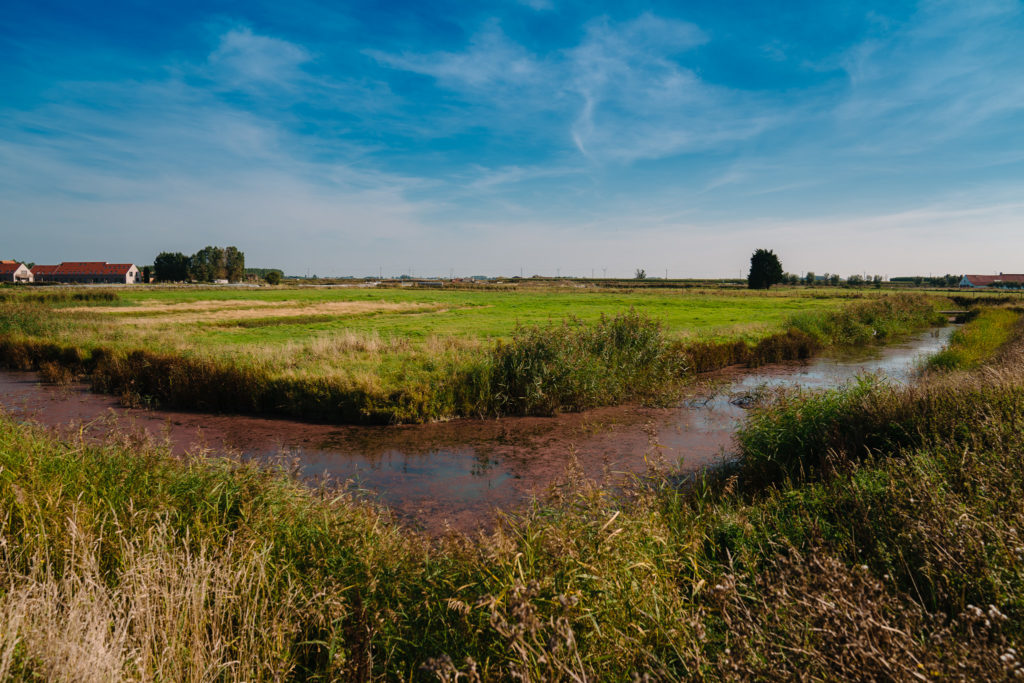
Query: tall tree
(765, 270)
(171, 266)
(234, 264)
(207, 264)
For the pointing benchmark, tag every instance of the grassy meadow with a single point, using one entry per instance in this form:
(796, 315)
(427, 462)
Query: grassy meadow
(867, 532)
(407, 354)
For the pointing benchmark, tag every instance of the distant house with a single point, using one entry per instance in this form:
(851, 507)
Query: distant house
(89, 272)
(12, 271)
(1002, 280)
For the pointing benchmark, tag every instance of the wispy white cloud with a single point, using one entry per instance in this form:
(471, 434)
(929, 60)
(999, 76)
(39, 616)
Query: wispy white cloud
(245, 59)
(952, 67)
(490, 60)
(620, 94)
(638, 102)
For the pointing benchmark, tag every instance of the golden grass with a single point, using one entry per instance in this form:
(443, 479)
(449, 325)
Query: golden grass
(160, 307)
(171, 617)
(197, 312)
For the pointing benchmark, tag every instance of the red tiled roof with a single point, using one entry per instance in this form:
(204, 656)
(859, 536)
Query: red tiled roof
(986, 280)
(84, 268)
(7, 267)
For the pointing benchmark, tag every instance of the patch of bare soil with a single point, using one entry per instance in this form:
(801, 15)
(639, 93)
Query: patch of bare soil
(210, 311)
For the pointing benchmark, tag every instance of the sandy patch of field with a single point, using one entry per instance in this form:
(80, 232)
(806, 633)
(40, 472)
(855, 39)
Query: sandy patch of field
(187, 306)
(221, 311)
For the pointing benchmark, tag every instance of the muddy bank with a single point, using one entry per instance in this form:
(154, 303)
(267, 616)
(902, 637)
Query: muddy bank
(457, 472)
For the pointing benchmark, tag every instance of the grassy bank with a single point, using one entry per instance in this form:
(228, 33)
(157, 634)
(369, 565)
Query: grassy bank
(972, 345)
(536, 370)
(879, 538)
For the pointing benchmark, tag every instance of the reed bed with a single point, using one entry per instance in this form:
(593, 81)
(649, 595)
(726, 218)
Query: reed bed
(875, 552)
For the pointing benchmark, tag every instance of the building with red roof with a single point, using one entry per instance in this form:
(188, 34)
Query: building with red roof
(89, 272)
(14, 271)
(1014, 281)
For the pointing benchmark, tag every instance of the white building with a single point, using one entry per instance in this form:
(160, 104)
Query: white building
(12, 271)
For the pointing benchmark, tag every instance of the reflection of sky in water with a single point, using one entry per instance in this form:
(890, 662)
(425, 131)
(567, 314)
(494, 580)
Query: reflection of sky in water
(455, 470)
(896, 363)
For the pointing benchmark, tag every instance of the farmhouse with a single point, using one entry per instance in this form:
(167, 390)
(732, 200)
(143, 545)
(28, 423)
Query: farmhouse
(12, 271)
(1001, 280)
(89, 271)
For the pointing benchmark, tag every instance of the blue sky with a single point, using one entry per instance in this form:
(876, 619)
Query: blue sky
(538, 136)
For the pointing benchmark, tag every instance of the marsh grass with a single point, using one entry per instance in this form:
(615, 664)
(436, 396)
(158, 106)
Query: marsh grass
(977, 341)
(572, 366)
(880, 541)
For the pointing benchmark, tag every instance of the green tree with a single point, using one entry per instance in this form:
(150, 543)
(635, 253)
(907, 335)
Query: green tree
(171, 266)
(641, 274)
(234, 264)
(273, 277)
(809, 278)
(765, 270)
(207, 264)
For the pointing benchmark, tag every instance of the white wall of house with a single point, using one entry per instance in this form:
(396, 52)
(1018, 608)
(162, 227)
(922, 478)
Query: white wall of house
(20, 274)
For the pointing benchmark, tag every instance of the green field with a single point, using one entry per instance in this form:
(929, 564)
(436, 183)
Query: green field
(458, 318)
(401, 354)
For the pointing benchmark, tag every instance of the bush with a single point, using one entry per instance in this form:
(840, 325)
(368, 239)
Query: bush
(572, 366)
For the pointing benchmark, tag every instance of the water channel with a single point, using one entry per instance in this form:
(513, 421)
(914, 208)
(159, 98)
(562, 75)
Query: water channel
(456, 473)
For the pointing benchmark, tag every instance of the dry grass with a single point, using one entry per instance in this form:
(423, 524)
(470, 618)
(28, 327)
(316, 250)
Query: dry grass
(185, 306)
(173, 613)
(209, 312)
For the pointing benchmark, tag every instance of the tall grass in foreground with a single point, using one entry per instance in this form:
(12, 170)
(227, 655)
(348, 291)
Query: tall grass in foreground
(895, 562)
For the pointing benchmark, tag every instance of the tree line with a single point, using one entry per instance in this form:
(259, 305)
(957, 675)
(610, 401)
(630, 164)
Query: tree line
(206, 265)
(766, 270)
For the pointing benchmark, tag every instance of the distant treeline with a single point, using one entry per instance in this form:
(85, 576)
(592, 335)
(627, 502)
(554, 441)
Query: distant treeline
(271, 275)
(206, 265)
(946, 280)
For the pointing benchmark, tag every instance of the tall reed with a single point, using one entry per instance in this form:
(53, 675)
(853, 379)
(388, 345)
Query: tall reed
(886, 546)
